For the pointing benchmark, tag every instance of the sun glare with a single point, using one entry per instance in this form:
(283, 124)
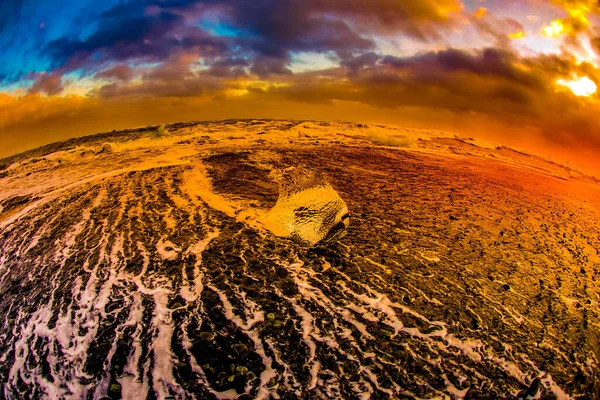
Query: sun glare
(581, 87)
(554, 29)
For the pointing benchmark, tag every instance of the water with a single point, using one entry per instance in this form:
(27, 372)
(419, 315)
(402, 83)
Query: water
(158, 283)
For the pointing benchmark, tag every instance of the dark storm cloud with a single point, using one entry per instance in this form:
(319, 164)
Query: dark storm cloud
(276, 28)
(356, 63)
(263, 30)
(229, 67)
(327, 22)
(128, 33)
(493, 62)
(268, 30)
(265, 66)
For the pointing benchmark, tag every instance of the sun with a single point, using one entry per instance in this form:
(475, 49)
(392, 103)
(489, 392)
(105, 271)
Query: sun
(580, 87)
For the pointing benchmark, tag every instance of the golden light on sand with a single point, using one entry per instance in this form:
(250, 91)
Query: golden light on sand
(580, 87)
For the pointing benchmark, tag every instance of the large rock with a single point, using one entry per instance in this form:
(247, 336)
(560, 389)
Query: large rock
(308, 209)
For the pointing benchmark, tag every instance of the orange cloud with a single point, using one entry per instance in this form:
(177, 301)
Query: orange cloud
(481, 12)
(577, 20)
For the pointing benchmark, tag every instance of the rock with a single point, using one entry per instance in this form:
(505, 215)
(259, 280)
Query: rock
(308, 209)
(240, 347)
(534, 388)
(472, 394)
(115, 387)
(107, 148)
(161, 131)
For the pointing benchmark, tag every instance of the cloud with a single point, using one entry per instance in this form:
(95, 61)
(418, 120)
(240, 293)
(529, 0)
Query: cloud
(498, 63)
(228, 67)
(356, 63)
(49, 84)
(174, 77)
(493, 84)
(262, 30)
(501, 30)
(118, 72)
(265, 66)
(130, 36)
(278, 27)
(575, 23)
(595, 44)
(421, 19)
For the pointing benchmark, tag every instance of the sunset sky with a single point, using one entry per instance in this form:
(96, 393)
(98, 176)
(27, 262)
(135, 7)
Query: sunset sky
(519, 72)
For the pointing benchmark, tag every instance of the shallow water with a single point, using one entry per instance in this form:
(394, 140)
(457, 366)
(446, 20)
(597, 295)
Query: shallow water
(143, 285)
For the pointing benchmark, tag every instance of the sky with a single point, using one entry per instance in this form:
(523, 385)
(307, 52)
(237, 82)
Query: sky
(519, 72)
